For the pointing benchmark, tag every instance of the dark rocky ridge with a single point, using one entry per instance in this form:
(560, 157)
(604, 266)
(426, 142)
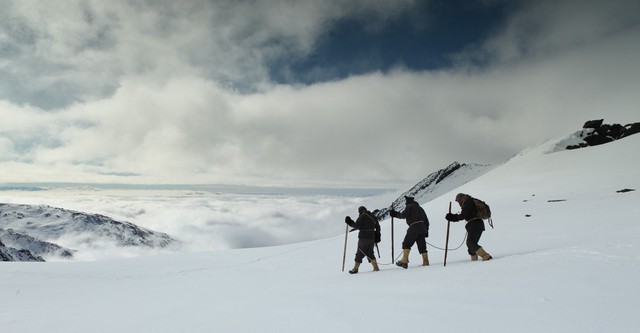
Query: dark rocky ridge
(595, 132)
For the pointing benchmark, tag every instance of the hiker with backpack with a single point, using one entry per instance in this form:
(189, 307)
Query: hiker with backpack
(474, 226)
(368, 236)
(418, 230)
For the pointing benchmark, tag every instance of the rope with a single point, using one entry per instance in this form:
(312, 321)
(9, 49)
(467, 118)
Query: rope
(379, 264)
(439, 248)
(394, 260)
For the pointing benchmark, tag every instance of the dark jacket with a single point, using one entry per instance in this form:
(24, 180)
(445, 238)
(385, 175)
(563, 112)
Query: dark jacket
(414, 213)
(470, 214)
(367, 224)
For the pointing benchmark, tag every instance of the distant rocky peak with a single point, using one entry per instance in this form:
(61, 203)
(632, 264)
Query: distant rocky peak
(596, 132)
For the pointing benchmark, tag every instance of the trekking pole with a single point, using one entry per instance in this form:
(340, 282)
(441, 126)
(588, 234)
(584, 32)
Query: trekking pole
(392, 255)
(344, 254)
(446, 244)
(378, 249)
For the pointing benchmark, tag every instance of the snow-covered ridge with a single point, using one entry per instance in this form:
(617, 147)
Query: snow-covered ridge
(45, 231)
(438, 183)
(593, 133)
(35, 246)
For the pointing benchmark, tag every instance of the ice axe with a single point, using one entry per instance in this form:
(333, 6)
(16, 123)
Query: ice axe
(392, 254)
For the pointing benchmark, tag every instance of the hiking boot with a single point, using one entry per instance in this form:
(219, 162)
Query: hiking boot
(425, 259)
(474, 257)
(354, 270)
(483, 254)
(404, 262)
(375, 265)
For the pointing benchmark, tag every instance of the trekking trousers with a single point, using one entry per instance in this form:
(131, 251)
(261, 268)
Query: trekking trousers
(416, 235)
(365, 249)
(473, 237)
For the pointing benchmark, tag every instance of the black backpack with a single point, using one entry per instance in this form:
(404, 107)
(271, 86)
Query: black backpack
(378, 236)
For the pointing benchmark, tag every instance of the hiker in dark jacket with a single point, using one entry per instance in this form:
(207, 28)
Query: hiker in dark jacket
(475, 226)
(416, 233)
(368, 236)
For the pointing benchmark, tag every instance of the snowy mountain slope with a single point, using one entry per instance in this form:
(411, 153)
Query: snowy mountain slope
(39, 229)
(561, 266)
(9, 253)
(37, 247)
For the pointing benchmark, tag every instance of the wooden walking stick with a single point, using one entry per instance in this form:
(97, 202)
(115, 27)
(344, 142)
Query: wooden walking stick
(446, 244)
(393, 257)
(344, 255)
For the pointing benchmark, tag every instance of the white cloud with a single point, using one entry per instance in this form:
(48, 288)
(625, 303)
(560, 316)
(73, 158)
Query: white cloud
(540, 30)
(170, 116)
(202, 220)
(58, 53)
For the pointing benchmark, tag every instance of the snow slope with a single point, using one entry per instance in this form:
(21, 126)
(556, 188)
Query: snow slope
(567, 260)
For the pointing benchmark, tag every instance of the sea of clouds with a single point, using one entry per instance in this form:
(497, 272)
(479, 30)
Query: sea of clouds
(208, 218)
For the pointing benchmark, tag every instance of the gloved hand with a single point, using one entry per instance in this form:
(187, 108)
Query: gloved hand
(450, 217)
(393, 213)
(348, 220)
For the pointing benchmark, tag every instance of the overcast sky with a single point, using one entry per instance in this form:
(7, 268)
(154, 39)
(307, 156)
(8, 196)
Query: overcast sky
(281, 92)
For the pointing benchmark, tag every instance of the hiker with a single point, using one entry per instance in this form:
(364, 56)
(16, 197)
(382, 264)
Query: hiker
(416, 233)
(474, 226)
(368, 236)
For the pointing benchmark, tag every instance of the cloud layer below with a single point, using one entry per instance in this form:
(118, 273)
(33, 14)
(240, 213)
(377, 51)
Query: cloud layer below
(204, 220)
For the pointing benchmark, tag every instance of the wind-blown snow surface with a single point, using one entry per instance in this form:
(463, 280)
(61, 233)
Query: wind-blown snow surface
(571, 266)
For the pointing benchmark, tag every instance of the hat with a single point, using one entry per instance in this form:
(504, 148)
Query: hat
(460, 197)
(408, 199)
(362, 209)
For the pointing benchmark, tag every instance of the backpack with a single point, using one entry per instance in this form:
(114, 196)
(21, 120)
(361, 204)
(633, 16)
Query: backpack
(378, 235)
(483, 211)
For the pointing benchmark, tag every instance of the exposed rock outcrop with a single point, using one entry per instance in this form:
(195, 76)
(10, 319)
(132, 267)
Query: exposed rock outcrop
(596, 132)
